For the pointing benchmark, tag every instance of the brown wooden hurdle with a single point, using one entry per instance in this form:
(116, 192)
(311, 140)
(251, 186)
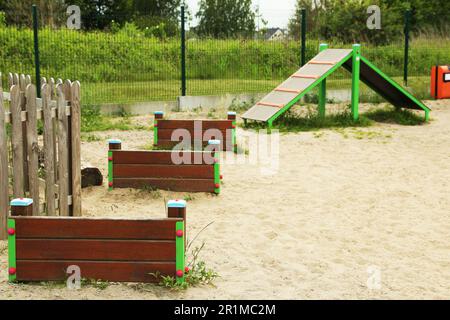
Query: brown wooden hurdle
(169, 133)
(53, 248)
(193, 171)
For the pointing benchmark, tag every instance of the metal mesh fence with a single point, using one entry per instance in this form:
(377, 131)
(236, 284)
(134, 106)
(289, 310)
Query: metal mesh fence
(130, 64)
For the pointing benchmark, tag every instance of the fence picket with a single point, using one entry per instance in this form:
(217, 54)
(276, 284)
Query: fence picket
(62, 142)
(49, 143)
(33, 147)
(16, 79)
(23, 107)
(10, 80)
(76, 147)
(4, 185)
(17, 142)
(63, 154)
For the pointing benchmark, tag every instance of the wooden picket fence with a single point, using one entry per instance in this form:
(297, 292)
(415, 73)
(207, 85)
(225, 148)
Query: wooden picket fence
(51, 174)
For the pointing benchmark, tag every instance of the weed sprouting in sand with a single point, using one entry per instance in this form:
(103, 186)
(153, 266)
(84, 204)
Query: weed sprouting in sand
(397, 116)
(153, 192)
(197, 273)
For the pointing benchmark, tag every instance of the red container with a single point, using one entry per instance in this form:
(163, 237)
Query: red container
(440, 82)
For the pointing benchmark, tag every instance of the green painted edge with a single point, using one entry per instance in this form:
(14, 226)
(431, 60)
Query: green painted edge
(216, 173)
(12, 250)
(356, 73)
(307, 90)
(155, 132)
(110, 170)
(396, 85)
(322, 88)
(180, 257)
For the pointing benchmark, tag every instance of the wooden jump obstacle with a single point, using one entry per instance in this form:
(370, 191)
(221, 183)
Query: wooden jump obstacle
(49, 174)
(43, 248)
(184, 171)
(194, 133)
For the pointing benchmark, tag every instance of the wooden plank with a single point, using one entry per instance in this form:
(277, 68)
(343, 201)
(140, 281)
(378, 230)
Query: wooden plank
(27, 80)
(16, 79)
(269, 104)
(33, 147)
(10, 80)
(49, 161)
(161, 157)
(163, 171)
(17, 142)
(52, 84)
(75, 160)
(190, 124)
(331, 63)
(113, 271)
(178, 185)
(305, 76)
(288, 90)
(22, 82)
(87, 228)
(63, 154)
(23, 107)
(4, 184)
(92, 249)
(227, 145)
(205, 135)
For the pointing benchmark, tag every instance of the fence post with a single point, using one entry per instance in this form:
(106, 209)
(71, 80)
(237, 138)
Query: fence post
(322, 88)
(303, 35)
(4, 183)
(406, 59)
(183, 53)
(37, 62)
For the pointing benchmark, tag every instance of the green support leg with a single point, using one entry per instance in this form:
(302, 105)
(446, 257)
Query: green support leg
(12, 250)
(180, 252)
(216, 173)
(322, 88)
(269, 126)
(110, 171)
(355, 81)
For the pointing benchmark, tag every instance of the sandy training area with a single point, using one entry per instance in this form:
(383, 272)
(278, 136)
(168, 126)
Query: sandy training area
(357, 213)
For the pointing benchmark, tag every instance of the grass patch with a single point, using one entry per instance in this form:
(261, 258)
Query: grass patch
(89, 137)
(291, 122)
(392, 115)
(152, 192)
(93, 120)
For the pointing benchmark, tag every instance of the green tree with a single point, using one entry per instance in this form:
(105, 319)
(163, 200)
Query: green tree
(18, 12)
(345, 20)
(226, 18)
(159, 17)
(100, 14)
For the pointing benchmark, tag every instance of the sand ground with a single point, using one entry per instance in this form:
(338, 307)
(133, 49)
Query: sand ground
(346, 207)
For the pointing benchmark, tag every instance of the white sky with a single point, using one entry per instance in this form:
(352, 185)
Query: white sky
(276, 12)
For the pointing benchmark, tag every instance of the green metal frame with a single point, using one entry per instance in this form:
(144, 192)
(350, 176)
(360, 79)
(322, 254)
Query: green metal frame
(180, 263)
(155, 132)
(12, 250)
(322, 88)
(216, 172)
(356, 70)
(110, 170)
(399, 87)
(303, 93)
